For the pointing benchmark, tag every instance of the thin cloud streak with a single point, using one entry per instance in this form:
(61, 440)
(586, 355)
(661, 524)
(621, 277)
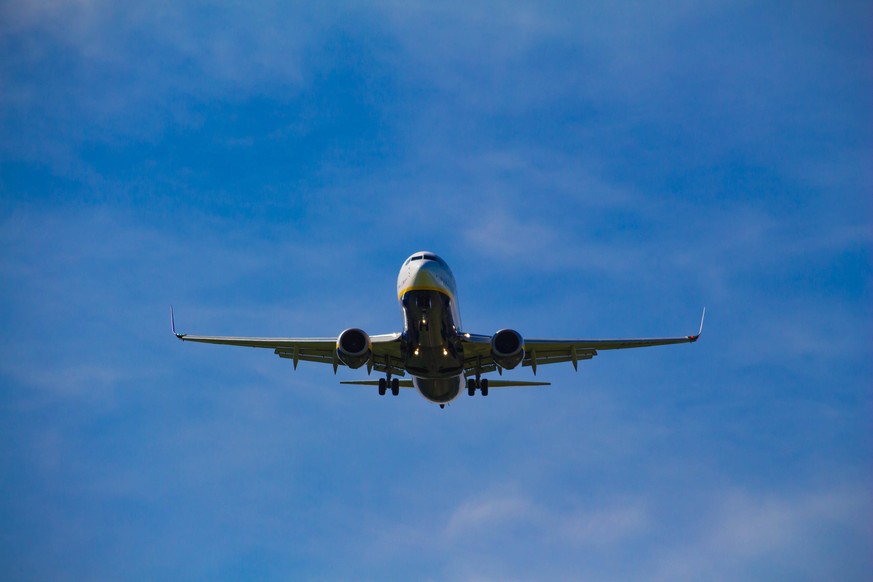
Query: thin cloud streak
(754, 536)
(744, 533)
(603, 526)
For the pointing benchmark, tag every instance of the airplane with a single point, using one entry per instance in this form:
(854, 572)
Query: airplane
(441, 358)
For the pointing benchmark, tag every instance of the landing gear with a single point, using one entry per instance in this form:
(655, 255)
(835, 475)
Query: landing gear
(481, 384)
(389, 382)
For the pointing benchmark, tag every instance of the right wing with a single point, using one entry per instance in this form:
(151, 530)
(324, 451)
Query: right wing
(385, 348)
(478, 358)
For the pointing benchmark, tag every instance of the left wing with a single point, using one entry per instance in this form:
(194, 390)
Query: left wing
(478, 358)
(385, 348)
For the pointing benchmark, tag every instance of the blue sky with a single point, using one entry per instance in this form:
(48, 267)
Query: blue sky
(588, 170)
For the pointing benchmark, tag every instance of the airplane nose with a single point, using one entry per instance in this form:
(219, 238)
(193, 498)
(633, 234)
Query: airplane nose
(425, 275)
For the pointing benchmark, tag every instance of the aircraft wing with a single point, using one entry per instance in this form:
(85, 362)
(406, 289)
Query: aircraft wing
(385, 348)
(478, 358)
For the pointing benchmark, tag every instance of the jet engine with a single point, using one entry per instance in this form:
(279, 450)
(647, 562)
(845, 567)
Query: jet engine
(353, 347)
(507, 348)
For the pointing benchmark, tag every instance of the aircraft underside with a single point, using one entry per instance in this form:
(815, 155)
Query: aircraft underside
(433, 352)
(440, 390)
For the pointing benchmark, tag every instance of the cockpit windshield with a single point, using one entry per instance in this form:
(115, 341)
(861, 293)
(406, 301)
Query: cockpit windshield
(427, 257)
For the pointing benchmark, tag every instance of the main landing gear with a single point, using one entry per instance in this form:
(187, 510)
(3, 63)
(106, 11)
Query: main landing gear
(384, 383)
(474, 383)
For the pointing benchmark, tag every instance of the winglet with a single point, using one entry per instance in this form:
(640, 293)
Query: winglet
(173, 325)
(694, 338)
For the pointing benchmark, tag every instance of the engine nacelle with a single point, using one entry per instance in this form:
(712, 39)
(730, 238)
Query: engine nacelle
(507, 348)
(353, 347)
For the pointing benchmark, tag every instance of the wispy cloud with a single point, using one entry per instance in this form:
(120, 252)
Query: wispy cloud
(754, 536)
(744, 533)
(591, 527)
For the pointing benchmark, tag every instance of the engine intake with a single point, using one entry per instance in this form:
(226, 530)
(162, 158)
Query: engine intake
(353, 347)
(507, 348)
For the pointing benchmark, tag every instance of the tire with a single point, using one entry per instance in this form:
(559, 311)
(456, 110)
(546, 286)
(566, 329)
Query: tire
(484, 387)
(395, 386)
(383, 385)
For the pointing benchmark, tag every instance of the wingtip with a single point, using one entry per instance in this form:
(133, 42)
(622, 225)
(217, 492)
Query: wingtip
(694, 338)
(173, 325)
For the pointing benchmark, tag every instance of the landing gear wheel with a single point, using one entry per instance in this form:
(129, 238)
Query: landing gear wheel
(395, 386)
(483, 387)
(471, 387)
(383, 385)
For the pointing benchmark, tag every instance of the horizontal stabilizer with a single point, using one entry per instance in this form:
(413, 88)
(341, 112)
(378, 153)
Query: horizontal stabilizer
(491, 383)
(403, 383)
(510, 383)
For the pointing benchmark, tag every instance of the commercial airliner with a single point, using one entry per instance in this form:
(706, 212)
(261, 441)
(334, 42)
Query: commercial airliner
(440, 357)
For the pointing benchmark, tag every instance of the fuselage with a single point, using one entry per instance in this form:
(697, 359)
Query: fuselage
(432, 349)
